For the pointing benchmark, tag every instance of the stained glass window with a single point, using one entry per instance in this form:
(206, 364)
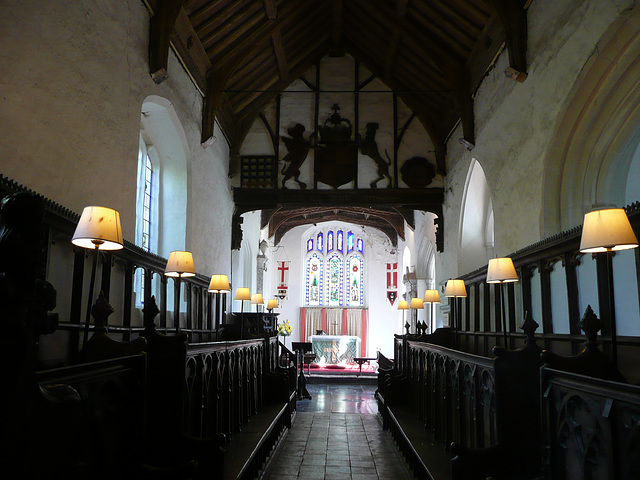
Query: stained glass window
(349, 242)
(355, 276)
(314, 280)
(335, 280)
(146, 209)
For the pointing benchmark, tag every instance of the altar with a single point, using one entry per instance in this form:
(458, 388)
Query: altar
(334, 349)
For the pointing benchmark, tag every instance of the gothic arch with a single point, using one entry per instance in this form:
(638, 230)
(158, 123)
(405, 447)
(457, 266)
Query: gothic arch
(161, 128)
(475, 245)
(594, 144)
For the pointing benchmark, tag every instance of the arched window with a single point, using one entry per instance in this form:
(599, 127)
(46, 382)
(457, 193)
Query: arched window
(314, 280)
(334, 275)
(355, 277)
(476, 221)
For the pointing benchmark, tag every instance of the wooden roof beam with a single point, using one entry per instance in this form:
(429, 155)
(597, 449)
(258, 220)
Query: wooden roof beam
(401, 11)
(513, 16)
(271, 9)
(249, 43)
(278, 50)
(162, 23)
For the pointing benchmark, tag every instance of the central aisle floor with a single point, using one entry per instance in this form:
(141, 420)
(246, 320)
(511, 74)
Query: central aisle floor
(337, 435)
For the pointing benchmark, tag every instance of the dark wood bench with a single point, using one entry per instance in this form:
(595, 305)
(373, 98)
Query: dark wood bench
(218, 409)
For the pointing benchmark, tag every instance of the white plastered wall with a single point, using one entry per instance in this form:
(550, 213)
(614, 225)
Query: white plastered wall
(74, 78)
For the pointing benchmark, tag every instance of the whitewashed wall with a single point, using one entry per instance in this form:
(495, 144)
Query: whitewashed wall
(515, 123)
(74, 77)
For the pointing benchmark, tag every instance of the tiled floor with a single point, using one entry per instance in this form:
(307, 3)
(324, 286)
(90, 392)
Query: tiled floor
(337, 435)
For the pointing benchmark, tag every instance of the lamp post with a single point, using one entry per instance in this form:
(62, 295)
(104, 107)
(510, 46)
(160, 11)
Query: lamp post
(179, 265)
(242, 294)
(431, 297)
(98, 229)
(416, 303)
(501, 270)
(606, 231)
(219, 284)
(455, 289)
(404, 305)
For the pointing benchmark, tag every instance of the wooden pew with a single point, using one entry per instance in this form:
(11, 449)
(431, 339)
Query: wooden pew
(228, 399)
(589, 414)
(168, 451)
(516, 453)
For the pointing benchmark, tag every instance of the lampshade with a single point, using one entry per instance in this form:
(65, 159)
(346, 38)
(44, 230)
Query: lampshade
(256, 299)
(219, 283)
(180, 264)
(403, 305)
(242, 294)
(272, 303)
(607, 230)
(431, 296)
(501, 270)
(455, 288)
(417, 303)
(98, 226)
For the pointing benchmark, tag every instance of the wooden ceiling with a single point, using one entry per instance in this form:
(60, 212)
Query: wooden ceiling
(433, 53)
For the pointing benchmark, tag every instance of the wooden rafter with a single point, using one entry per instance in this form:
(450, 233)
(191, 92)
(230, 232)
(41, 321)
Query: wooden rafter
(271, 9)
(392, 51)
(278, 50)
(160, 30)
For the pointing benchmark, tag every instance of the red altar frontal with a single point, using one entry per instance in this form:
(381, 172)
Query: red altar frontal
(335, 321)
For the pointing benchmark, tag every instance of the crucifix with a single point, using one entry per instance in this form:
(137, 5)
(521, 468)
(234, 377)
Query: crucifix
(335, 328)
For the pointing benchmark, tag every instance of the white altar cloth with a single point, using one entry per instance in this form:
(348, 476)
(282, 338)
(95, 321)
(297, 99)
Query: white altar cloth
(334, 349)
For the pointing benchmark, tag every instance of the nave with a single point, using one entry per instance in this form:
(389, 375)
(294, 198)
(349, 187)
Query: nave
(337, 435)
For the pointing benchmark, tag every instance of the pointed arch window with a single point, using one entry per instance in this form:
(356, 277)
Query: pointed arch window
(333, 279)
(355, 277)
(350, 239)
(314, 280)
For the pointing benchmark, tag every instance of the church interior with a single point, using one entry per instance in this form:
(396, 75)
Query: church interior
(203, 201)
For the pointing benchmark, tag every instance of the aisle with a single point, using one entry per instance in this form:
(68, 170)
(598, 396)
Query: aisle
(337, 435)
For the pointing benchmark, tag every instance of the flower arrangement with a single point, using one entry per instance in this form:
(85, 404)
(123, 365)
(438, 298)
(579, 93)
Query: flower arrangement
(285, 329)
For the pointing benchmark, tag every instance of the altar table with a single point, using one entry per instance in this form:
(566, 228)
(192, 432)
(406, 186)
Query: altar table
(334, 349)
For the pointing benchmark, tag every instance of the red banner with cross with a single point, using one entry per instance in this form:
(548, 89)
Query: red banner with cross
(392, 282)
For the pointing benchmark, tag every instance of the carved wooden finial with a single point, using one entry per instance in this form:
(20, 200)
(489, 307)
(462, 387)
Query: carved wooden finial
(590, 324)
(529, 327)
(100, 312)
(407, 326)
(149, 313)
